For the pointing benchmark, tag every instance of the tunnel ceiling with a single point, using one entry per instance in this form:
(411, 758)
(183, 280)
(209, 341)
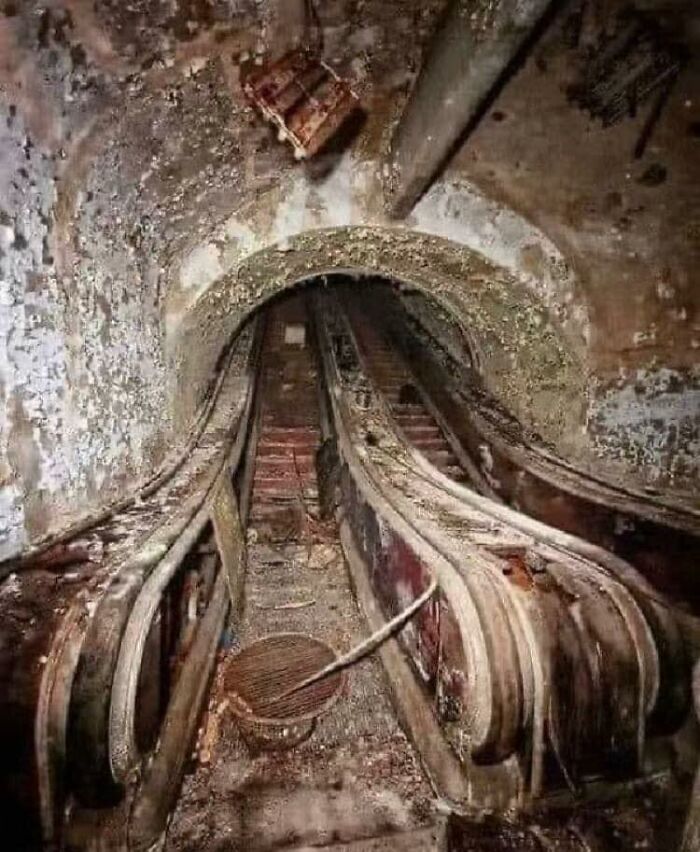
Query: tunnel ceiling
(145, 209)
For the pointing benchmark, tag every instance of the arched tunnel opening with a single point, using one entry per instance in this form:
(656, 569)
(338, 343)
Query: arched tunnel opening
(349, 449)
(369, 503)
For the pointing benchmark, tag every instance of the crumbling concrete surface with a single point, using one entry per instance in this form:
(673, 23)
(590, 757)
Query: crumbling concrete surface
(137, 188)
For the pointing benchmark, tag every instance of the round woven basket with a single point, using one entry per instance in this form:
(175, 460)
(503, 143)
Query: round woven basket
(257, 675)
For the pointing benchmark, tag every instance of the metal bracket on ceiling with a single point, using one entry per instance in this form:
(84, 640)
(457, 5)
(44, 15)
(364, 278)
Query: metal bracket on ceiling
(304, 98)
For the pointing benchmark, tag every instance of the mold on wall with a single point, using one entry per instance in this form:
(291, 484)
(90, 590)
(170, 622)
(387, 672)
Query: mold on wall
(527, 362)
(628, 228)
(32, 358)
(538, 200)
(145, 208)
(351, 196)
(97, 182)
(651, 418)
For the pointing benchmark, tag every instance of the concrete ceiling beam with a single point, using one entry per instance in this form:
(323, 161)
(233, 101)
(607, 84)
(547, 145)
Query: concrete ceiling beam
(472, 48)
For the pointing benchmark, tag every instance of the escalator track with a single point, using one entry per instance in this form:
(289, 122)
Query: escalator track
(340, 494)
(286, 585)
(358, 777)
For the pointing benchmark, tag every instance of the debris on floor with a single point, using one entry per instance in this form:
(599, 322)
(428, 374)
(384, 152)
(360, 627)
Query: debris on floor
(357, 780)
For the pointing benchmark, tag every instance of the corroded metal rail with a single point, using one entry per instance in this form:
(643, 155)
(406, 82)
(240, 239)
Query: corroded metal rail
(541, 661)
(98, 655)
(658, 536)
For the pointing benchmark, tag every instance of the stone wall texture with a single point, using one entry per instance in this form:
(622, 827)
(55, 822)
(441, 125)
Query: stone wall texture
(145, 210)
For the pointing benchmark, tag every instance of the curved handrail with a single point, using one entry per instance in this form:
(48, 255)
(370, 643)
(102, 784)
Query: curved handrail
(123, 752)
(458, 586)
(556, 470)
(411, 479)
(90, 760)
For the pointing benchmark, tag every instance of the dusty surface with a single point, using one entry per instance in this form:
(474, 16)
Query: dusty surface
(59, 592)
(356, 777)
(646, 818)
(127, 147)
(122, 147)
(628, 227)
(605, 242)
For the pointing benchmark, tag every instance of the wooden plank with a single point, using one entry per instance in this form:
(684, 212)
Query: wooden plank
(230, 541)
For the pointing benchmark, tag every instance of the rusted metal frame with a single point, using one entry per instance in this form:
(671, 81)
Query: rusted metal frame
(650, 627)
(89, 749)
(270, 83)
(124, 753)
(639, 648)
(553, 544)
(528, 454)
(599, 600)
(656, 608)
(579, 488)
(401, 519)
(162, 777)
(442, 767)
(482, 583)
(312, 125)
(157, 792)
(601, 561)
(488, 584)
(462, 456)
(639, 634)
(309, 127)
(450, 768)
(632, 621)
(566, 481)
(49, 653)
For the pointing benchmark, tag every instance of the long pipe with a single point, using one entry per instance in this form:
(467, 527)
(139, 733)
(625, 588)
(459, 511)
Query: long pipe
(474, 45)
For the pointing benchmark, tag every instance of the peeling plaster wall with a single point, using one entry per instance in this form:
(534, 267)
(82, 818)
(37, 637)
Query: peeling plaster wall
(144, 209)
(122, 149)
(628, 227)
(556, 201)
(82, 376)
(650, 418)
(97, 182)
(350, 196)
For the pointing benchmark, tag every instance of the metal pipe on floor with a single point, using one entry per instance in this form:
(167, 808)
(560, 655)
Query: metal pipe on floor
(472, 48)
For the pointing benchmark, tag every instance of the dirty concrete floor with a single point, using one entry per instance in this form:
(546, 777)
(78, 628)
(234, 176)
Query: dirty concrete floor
(356, 778)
